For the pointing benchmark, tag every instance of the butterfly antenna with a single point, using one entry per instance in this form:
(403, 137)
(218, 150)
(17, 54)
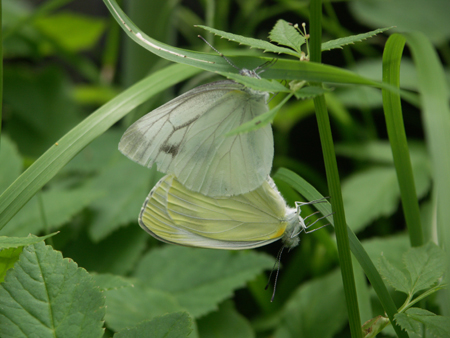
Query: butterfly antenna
(265, 65)
(277, 262)
(226, 59)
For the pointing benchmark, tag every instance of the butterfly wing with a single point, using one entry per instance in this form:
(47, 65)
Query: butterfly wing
(176, 215)
(186, 136)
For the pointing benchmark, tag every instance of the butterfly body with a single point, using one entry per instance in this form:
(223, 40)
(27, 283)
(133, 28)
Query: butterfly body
(186, 137)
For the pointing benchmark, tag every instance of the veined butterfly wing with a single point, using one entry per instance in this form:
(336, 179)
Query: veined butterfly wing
(186, 137)
(173, 214)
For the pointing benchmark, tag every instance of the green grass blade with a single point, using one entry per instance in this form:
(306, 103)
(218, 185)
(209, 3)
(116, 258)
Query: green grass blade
(1, 70)
(48, 165)
(310, 193)
(397, 137)
(282, 70)
(436, 116)
(326, 139)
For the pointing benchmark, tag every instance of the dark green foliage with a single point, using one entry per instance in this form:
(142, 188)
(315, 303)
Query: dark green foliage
(70, 78)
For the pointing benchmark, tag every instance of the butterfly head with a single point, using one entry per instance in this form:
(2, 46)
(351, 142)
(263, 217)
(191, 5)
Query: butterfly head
(296, 225)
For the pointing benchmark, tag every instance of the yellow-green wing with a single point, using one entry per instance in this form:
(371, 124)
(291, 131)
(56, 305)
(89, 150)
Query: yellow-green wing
(177, 215)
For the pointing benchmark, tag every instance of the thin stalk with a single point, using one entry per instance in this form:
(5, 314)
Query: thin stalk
(326, 139)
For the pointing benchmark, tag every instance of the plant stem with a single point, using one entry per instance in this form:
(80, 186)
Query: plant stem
(333, 180)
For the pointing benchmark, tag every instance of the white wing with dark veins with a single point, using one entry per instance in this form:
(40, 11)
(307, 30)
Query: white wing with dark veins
(186, 136)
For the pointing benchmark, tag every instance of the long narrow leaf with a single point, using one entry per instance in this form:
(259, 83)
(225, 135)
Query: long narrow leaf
(283, 69)
(396, 130)
(436, 116)
(48, 165)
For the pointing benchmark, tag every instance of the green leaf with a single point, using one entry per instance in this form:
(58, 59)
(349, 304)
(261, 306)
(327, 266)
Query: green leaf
(126, 195)
(173, 325)
(60, 206)
(370, 194)
(35, 123)
(412, 320)
(431, 15)
(285, 34)
(108, 282)
(74, 32)
(15, 242)
(116, 254)
(395, 277)
(374, 192)
(305, 315)
(392, 248)
(45, 295)
(425, 264)
(10, 162)
(254, 43)
(126, 307)
(200, 278)
(350, 40)
(8, 257)
(225, 323)
(98, 154)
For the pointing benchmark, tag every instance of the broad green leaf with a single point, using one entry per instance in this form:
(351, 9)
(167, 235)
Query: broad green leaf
(45, 295)
(200, 278)
(316, 309)
(395, 277)
(126, 307)
(254, 43)
(124, 186)
(425, 264)
(8, 257)
(172, 325)
(285, 34)
(15, 242)
(413, 319)
(72, 31)
(35, 123)
(59, 206)
(225, 323)
(117, 254)
(10, 163)
(380, 151)
(368, 195)
(350, 40)
(374, 193)
(428, 17)
(392, 248)
(107, 282)
(97, 155)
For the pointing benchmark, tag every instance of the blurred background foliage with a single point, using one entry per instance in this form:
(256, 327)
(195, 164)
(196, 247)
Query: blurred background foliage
(65, 58)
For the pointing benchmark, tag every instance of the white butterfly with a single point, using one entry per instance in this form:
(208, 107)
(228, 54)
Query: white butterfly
(173, 214)
(186, 137)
